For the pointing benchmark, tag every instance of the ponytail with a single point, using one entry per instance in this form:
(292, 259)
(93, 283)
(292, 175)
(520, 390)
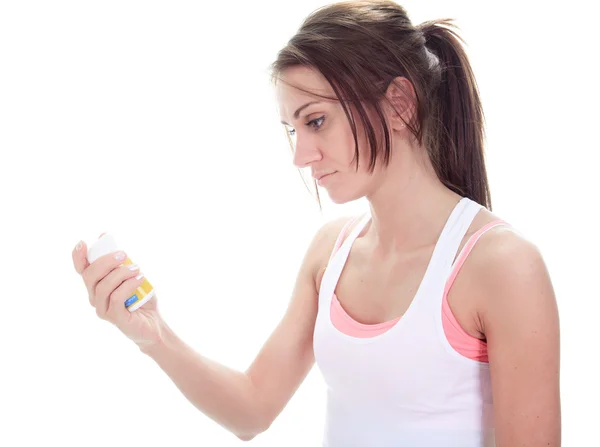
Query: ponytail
(456, 129)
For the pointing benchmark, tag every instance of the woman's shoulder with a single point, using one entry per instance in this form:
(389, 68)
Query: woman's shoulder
(498, 245)
(502, 256)
(499, 237)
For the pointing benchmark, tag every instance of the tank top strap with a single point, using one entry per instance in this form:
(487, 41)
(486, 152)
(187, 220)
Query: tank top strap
(430, 290)
(342, 235)
(338, 259)
(457, 228)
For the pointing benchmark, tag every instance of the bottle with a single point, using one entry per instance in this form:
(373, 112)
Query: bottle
(107, 244)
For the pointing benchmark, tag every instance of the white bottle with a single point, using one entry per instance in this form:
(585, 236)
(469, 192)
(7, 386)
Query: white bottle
(106, 244)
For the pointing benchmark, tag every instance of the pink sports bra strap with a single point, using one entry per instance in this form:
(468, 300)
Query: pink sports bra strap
(460, 260)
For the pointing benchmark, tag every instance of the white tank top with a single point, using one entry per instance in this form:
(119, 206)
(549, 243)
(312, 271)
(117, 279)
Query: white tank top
(407, 386)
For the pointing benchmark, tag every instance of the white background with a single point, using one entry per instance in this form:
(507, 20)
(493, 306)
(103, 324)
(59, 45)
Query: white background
(156, 121)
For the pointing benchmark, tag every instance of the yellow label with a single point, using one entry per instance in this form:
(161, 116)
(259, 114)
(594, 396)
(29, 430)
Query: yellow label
(143, 289)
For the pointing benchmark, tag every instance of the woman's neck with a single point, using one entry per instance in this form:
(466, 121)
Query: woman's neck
(409, 209)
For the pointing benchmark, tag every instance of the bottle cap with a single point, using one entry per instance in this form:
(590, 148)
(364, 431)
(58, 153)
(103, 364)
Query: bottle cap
(103, 246)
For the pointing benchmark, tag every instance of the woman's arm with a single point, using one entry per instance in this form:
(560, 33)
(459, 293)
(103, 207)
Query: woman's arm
(246, 403)
(520, 320)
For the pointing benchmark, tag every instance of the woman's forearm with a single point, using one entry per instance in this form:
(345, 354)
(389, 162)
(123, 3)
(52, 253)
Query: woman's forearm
(225, 395)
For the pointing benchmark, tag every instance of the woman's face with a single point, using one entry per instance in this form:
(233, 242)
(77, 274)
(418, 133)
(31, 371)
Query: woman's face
(322, 135)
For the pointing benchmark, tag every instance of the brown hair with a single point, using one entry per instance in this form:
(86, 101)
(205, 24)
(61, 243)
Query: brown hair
(360, 47)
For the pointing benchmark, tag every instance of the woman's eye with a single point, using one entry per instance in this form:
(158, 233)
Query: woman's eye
(312, 123)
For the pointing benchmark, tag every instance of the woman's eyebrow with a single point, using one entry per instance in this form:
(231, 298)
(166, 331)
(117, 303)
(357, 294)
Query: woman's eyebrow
(300, 109)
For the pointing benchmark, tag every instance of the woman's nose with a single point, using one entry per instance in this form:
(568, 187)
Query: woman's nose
(305, 154)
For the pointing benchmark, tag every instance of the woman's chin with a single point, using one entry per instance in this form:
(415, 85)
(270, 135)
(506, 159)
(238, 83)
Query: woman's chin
(339, 198)
(337, 201)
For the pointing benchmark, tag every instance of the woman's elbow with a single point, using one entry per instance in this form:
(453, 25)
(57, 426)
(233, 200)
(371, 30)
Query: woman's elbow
(246, 437)
(250, 435)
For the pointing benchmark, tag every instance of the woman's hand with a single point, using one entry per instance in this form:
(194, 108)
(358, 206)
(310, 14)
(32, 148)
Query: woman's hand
(109, 284)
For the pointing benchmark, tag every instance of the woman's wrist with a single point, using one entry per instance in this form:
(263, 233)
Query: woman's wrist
(165, 341)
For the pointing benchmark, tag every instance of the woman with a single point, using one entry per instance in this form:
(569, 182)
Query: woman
(433, 322)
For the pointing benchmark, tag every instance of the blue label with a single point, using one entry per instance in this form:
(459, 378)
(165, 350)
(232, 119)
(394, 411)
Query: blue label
(131, 300)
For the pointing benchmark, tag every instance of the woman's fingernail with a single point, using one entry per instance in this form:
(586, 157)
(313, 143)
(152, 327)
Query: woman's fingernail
(140, 276)
(120, 256)
(79, 245)
(133, 267)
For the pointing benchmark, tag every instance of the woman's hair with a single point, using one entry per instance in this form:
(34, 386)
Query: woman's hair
(361, 46)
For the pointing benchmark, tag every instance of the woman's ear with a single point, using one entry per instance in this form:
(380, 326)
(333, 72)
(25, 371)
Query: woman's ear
(401, 99)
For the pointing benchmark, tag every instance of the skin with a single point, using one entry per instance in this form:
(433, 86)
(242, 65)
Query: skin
(502, 294)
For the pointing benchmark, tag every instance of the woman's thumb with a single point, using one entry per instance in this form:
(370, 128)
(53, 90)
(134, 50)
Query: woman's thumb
(80, 261)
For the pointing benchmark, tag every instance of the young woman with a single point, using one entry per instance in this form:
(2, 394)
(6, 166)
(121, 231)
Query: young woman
(433, 322)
